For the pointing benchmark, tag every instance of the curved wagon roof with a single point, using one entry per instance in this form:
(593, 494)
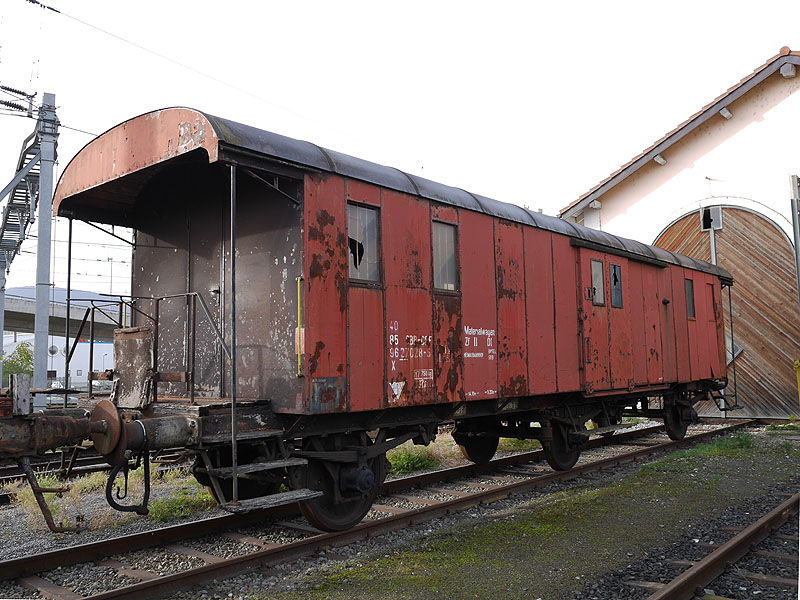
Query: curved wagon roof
(104, 179)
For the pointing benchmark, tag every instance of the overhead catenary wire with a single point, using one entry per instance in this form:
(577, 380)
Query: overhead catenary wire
(166, 58)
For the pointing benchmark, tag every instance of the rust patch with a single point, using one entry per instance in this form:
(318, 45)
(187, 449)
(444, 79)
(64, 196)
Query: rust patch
(313, 360)
(340, 281)
(318, 267)
(414, 272)
(324, 218)
(518, 386)
(328, 394)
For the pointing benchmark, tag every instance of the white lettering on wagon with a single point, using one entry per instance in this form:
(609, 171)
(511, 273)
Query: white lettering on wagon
(479, 343)
(403, 348)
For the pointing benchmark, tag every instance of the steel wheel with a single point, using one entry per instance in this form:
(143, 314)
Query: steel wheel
(560, 454)
(674, 422)
(479, 450)
(339, 509)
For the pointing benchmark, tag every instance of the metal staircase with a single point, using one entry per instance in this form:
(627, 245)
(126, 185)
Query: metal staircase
(23, 195)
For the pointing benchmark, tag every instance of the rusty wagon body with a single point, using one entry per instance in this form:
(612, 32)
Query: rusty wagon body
(295, 312)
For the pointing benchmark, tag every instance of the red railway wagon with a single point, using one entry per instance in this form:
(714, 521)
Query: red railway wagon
(296, 312)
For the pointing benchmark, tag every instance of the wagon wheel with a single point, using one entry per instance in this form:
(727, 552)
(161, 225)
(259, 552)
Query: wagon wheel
(674, 422)
(479, 450)
(559, 452)
(348, 490)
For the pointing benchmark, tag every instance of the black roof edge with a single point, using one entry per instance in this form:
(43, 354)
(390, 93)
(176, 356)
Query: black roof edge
(283, 149)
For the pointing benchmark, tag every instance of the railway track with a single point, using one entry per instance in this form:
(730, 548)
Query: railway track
(91, 462)
(402, 502)
(727, 558)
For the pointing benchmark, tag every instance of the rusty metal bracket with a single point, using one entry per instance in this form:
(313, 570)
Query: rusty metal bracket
(39, 492)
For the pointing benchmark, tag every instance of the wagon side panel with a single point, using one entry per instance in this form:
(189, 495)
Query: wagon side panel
(620, 323)
(512, 343)
(478, 306)
(654, 310)
(681, 323)
(406, 234)
(540, 299)
(635, 303)
(325, 342)
(565, 286)
(367, 346)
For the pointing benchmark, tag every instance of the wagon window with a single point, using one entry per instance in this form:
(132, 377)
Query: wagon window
(616, 286)
(362, 229)
(689, 298)
(598, 295)
(444, 256)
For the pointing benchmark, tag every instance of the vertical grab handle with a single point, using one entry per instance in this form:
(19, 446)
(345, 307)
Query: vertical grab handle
(298, 341)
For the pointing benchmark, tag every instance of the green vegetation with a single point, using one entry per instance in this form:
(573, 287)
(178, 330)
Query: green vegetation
(22, 494)
(183, 504)
(515, 445)
(410, 458)
(790, 427)
(19, 361)
(67, 507)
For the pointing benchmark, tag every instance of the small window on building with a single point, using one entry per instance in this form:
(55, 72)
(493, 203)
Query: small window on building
(616, 286)
(689, 298)
(444, 256)
(362, 229)
(80, 372)
(598, 294)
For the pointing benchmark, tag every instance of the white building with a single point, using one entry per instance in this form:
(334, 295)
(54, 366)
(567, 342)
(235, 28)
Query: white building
(717, 188)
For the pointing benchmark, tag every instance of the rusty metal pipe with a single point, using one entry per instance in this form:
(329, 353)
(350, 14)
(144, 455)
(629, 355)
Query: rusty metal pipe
(32, 435)
(161, 432)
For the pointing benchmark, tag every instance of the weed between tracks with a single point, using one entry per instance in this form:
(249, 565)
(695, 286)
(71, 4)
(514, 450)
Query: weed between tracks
(443, 453)
(175, 494)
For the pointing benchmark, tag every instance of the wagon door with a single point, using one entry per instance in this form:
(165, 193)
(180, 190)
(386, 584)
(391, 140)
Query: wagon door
(595, 297)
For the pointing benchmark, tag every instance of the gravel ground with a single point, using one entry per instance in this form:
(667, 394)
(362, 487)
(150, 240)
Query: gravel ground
(307, 576)
(25, 533)
(159, 560)
(656, 566)
(9, 589)
(218, 546)
(483, 551)
(87, 579)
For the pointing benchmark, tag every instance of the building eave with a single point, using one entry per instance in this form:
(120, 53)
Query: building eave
(773, 65)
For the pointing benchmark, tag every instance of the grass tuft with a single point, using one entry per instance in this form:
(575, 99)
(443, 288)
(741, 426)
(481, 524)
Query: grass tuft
(410, 458)
(183, 504)
(515, 445)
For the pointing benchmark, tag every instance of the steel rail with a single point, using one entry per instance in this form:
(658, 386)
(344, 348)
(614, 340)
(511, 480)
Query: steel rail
(31, 565)
(166, 585)
(712, 566)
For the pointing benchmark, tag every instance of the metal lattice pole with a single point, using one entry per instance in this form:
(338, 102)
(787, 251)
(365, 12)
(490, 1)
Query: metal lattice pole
(47, 131)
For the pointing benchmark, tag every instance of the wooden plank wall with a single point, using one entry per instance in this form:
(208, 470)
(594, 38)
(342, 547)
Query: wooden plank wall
(765, 313)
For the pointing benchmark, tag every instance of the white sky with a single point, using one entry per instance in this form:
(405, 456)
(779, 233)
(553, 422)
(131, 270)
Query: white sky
(526, 102)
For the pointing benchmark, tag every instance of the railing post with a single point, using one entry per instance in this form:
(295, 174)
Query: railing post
(91, 354)
(68, 354)
(192, 348)
(234, 474)
(155, 352)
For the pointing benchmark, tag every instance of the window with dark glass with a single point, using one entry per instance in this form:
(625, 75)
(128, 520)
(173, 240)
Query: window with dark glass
(689, 298)
(444, 256)
(616, 286)
(362, 229)
(598, 294)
